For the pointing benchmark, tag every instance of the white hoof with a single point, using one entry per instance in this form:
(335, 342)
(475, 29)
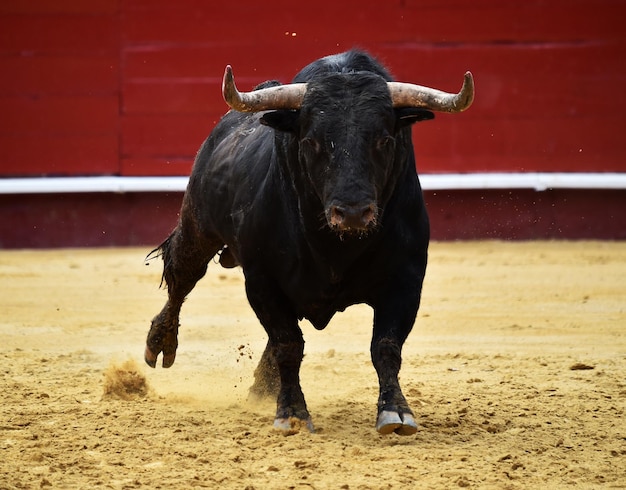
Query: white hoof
(389, 422)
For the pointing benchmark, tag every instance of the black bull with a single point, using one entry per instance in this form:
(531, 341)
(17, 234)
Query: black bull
(311, 187)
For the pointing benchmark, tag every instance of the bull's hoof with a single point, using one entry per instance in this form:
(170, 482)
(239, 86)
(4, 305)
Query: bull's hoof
(293, 425)
(168, 359)
(402, 424)
(151, 358)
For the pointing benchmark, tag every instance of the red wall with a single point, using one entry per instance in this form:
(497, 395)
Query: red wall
(59, 89)
(132, 87)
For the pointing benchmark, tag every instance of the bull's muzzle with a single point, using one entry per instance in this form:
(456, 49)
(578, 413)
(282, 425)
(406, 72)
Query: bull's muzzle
(356, 218)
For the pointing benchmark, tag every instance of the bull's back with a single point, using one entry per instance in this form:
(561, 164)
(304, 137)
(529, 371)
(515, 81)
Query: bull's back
(228, 172)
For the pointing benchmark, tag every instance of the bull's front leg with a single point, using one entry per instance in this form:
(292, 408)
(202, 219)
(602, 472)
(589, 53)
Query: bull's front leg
(393, 320)
(394, 414)
(291, 410)
(283, 355)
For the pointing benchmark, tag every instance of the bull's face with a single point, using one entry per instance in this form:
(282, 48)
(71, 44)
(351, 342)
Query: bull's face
(350, 145)
(349, 140)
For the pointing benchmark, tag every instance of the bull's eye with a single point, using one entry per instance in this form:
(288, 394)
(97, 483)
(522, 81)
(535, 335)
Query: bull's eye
(386, 143)
(310, 145)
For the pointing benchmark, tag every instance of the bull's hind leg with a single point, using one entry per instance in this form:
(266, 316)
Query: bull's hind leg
(186, 255)
(266, 377)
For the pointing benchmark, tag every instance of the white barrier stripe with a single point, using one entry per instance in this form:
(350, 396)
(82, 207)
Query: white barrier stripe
(430, 182)
(536, 181)
(52, 185)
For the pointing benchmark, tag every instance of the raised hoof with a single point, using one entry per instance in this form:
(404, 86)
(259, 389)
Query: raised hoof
(293, 425)
(402, 424)
(168, 359)
(151, 358)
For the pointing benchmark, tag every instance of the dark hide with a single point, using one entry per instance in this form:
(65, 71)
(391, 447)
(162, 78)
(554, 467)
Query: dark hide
(323, 209)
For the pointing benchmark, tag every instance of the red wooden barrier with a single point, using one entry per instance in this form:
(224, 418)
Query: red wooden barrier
(82, 220)
(132, 87)
(59, 90)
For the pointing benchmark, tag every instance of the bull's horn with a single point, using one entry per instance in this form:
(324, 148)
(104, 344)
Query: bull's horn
(265, 99)
(409, 95)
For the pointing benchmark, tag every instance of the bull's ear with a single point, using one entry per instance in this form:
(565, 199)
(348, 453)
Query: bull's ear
(281, 120)
(410, 115)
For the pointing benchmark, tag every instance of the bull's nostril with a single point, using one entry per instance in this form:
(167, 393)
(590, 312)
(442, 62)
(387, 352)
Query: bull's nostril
(337, 216)
(355, 217)
(369, 215)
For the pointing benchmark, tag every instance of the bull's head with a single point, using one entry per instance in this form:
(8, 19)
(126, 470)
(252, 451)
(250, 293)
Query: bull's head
(349, 133)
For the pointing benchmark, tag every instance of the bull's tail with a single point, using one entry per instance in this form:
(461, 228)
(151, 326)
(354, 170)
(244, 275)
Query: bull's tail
(162, 250)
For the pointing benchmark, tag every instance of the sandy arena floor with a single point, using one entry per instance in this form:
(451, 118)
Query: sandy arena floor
(515, 369)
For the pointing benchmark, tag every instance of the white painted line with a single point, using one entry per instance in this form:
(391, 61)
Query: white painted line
(430, 182)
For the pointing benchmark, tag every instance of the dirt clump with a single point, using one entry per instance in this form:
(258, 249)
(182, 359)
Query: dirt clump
(125, 382)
